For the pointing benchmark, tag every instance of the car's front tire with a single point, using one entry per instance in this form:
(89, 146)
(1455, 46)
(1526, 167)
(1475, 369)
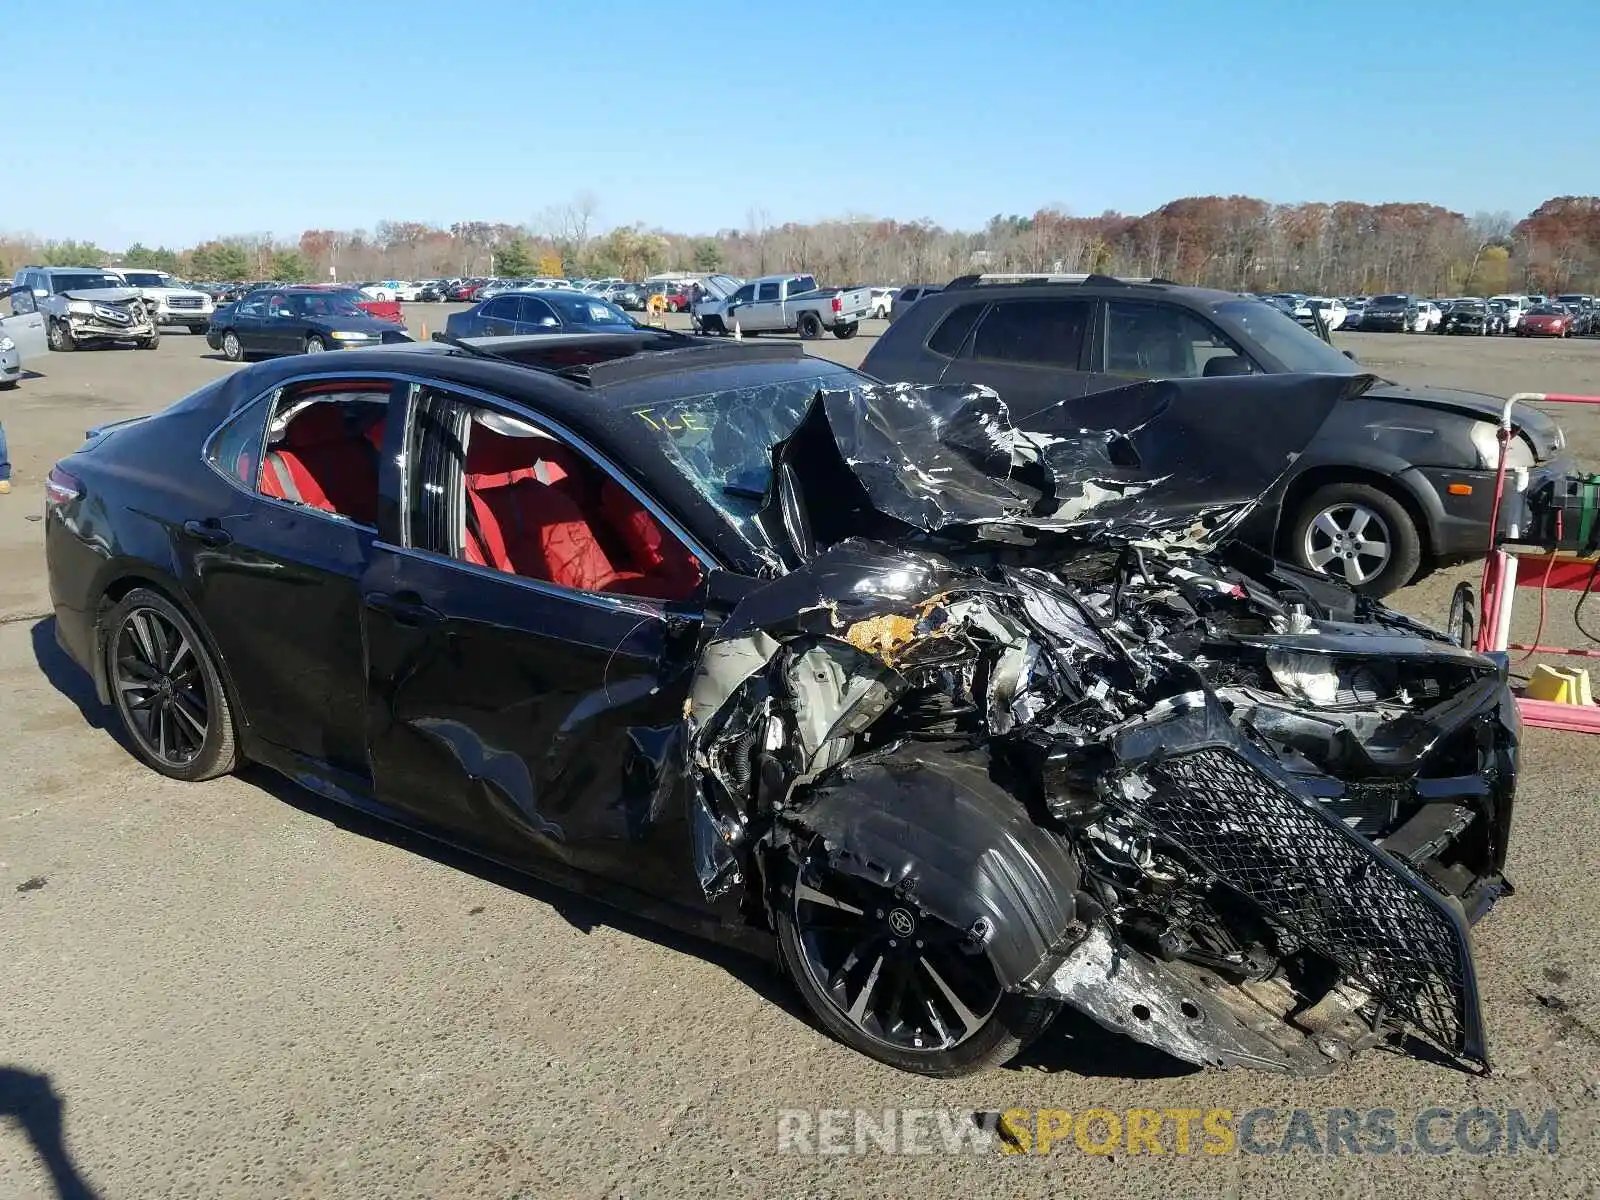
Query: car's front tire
(893, 981)
(1359, 534)
(315, 345)
(166, 689)
(59, 335)
(232, 347)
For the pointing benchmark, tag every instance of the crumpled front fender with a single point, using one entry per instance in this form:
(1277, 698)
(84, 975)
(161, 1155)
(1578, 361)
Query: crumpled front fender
(935, 828)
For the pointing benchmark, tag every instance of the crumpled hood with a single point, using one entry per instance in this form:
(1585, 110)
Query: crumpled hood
(1188, 460)
(119, 295)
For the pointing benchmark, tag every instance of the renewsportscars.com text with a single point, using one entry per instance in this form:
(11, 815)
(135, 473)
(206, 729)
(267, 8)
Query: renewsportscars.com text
(1179, 1131)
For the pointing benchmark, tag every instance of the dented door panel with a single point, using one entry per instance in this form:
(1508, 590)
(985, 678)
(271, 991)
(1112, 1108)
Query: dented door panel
(535, 721)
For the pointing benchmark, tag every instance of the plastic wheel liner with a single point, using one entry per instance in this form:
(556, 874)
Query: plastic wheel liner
(1228, 808)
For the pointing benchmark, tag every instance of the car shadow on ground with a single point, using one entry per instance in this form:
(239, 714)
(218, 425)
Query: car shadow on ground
(29, 1101)
(1074, 1044)
(72, 681)
(583, 912)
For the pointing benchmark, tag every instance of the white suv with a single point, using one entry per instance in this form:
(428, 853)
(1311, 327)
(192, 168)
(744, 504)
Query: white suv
(171, 300)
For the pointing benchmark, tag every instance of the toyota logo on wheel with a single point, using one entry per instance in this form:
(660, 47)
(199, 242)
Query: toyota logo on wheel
(901, 922)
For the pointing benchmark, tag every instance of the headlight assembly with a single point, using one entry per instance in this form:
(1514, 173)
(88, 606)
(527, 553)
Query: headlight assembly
(1486, 441)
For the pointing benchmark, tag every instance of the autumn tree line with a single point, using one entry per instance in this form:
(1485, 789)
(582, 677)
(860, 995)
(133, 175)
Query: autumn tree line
(1233, 242)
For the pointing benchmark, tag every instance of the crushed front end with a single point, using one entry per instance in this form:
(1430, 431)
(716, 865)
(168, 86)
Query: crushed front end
(1227, 808)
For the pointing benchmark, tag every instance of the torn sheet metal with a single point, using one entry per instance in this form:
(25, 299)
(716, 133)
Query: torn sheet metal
(952, 460)
(1220, 747)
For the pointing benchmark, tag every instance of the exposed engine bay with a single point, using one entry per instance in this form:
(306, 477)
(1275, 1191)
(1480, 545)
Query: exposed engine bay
(1228, 808)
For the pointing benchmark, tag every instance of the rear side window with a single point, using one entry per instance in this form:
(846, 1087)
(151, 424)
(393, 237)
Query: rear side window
(769, 291)
(952, 332)
(1040, 332)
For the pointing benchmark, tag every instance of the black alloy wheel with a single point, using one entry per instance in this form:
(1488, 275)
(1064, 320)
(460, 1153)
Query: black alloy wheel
(166, 688)
(893, 981)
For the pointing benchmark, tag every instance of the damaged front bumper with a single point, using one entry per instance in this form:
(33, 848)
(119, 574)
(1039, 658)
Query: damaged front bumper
(1225, 807)
(87, 327)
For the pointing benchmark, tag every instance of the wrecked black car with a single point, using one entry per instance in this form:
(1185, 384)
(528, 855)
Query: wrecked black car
(972, 719)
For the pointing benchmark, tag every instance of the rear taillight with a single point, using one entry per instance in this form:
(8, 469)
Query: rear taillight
(837, 305)
(61, 486)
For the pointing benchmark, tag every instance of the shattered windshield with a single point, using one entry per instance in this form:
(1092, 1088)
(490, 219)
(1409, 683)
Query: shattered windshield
(722, 440)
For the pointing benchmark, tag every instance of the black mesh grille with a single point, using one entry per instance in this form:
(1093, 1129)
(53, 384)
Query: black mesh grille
(1320, 882)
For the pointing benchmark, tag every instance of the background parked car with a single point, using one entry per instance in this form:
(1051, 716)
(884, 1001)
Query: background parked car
(297, 320)
(1547, 320)
(550, 310)
(883, 301)
(1390, 314)
(1333, 311)
(907, 296)
(1372, 500)
(1472, 316)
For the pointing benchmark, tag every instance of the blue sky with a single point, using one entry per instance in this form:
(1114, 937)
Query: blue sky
(287, 115)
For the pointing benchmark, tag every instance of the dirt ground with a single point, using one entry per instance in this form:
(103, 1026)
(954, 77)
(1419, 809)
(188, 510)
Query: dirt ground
(238, 990)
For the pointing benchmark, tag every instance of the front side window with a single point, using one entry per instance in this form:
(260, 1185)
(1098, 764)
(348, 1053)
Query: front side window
(1033, 332)
(952, 332)
(1162, 341)
(496, 490)
(745, 294)
(531, 310)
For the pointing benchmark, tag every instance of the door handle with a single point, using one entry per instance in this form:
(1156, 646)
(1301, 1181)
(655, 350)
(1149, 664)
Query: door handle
(207, 533)
(406, 608)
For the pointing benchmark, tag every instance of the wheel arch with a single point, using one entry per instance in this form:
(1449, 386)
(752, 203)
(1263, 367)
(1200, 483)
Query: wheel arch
(1396, 486)
(129, 577)
(937, 827)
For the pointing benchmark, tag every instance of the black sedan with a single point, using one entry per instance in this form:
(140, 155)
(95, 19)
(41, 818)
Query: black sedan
(738, 638)
(1474, 317)
(296, 321)
(541, 311)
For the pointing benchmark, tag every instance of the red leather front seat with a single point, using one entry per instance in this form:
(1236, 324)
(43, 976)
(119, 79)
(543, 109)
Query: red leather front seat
(670, 571)
(321, 462)
(527, 516)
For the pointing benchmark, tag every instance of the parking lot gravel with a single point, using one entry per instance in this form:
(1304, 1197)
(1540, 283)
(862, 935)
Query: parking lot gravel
(236, 989)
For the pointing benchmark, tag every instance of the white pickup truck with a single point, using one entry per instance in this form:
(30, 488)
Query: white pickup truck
(171, 300)
(786, 304)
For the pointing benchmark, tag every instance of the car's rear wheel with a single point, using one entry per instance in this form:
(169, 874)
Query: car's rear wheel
(846, 330)
(889, 979)
(167, 689)
(1358, 534)
(232, 347)
(315, 345)
(59, 335)
(810, 326)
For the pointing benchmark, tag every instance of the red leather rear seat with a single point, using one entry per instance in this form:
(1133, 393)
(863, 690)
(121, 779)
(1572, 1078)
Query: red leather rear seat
(326, 464)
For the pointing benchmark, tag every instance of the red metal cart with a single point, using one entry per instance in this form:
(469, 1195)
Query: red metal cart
(1511, 563)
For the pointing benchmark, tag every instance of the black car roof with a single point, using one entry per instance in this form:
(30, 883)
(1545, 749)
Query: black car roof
(589, 382)
(594, 401)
